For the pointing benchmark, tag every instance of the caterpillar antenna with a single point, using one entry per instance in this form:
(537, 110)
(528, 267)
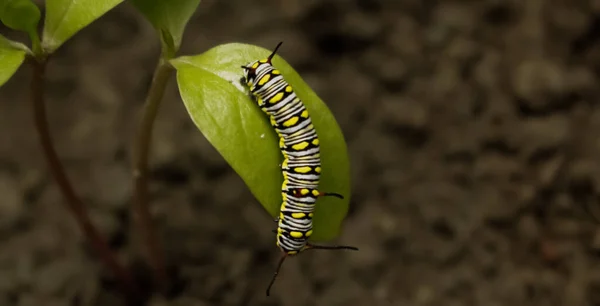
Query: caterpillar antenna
(274, 51)
(276, 273)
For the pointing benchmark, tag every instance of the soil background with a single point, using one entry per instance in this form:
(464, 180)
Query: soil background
(473, 130)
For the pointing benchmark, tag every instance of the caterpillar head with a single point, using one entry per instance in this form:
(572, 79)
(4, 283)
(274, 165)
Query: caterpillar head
(250, 72)
(251, 68)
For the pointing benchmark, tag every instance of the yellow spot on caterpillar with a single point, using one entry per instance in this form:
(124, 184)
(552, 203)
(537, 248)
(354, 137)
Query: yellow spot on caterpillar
(304, 114)
(264, 61)
(316, 193)
(315, 141)
(264, 79)
(298, 215)
(300, 146)
(304, 191)
(310, 215)
(288, 88)
(292, 252)
(249, 84)
(273, 121)
(318, 169)
(281, 216)
(309, 233)
(276, 72)
(276, 98)
(255, 65)
(260, 102)
(296, 234)
(281, 143)
(305, 169)
(284, 164)
(291, 121)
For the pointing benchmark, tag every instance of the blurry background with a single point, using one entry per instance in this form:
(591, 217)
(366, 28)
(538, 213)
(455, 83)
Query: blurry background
(472, 128)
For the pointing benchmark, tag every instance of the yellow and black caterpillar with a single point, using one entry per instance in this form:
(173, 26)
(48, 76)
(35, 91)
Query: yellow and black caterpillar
(300, 148)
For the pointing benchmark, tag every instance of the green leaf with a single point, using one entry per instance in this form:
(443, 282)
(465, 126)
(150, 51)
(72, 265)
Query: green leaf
(169, 18)
(64, 18)
(21, 15)
(222, 109)
(12, 55)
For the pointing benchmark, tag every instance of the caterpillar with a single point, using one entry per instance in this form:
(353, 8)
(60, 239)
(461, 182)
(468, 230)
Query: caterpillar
(301, 166)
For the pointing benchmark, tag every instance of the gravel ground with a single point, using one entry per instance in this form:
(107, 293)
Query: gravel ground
(473, 129)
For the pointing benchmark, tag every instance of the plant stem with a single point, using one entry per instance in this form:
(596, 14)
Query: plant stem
(73, 203)
(141, 150)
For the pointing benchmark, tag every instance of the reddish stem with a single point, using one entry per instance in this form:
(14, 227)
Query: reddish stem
(72, 201)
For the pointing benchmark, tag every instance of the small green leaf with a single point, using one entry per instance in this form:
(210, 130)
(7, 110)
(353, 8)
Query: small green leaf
(222, 109)
(64, 18)
(21, 15)
(12, 55)
(169, 18)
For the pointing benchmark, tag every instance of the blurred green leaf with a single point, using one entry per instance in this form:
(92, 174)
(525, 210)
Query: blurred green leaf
(169, 18)
(222, 109)
(12, 55)
(64, 18)
(22, 15)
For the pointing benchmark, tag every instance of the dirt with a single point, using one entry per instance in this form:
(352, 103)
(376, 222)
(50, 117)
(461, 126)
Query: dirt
(472, 127)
